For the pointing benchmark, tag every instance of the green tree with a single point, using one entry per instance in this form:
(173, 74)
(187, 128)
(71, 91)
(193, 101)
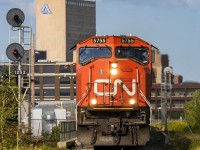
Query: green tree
(8, 110)
(192, 112)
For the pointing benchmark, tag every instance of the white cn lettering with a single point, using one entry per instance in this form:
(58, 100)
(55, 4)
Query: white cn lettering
(117, 81)
(105, 81)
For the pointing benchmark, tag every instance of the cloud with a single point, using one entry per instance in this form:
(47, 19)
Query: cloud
(193, 3)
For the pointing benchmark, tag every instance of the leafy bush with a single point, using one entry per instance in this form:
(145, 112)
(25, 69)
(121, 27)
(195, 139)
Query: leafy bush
(177, 126)
(192, 113)
(8, 110)
(51, 139)
(55, 135)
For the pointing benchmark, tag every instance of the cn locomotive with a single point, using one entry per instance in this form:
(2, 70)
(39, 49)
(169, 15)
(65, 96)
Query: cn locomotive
(113, 90)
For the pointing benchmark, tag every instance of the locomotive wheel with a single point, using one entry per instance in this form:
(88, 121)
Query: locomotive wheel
(117, 139)
(91, 136)
(94, 136)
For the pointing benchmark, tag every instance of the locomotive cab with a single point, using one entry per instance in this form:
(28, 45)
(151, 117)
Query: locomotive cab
(113, 90)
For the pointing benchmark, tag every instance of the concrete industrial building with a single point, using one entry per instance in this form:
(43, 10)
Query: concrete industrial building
(60, 24)
(181, 92)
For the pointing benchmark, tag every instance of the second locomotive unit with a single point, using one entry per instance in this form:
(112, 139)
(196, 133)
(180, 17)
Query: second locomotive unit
(113, 90)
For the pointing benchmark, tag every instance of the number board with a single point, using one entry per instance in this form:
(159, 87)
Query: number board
(99, 40)
(19, 72)
(127, 40)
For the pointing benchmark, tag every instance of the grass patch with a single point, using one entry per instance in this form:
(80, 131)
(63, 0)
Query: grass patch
(180, 136)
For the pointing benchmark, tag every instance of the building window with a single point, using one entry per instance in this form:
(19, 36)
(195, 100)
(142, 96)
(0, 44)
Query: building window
(153, 93)
(178, 92)
(80, 4)
(49, 80)
(37, 92)
(190, 92)
(178, 103)
(48, 69)
(36, 68)
(64, 69)
(48, 92)
(64, 80)
(64, 92)
(158, 93)
(37, 80)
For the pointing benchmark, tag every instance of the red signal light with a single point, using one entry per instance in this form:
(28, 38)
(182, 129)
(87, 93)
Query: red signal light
(15, 52)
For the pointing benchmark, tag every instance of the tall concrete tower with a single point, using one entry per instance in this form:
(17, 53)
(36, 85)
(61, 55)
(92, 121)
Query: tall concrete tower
(60, 24)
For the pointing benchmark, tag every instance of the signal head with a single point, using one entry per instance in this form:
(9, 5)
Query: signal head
(15, 17)
(15, 52)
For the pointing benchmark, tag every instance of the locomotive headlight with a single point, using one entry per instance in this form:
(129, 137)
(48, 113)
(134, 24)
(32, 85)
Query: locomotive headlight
(132, 101)
(113, 71)
(93, 101)
(114, 65)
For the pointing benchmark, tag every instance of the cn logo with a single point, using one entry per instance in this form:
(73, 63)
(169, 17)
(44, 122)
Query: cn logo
(45, 9)
(114, 92)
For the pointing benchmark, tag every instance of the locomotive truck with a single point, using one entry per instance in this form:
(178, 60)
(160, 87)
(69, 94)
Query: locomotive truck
(113, 90)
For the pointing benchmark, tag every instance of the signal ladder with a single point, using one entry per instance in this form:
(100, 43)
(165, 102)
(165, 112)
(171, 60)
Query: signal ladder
(23, 37)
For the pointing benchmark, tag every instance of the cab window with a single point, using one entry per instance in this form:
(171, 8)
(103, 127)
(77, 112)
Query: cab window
(138, 53)
(88, 54)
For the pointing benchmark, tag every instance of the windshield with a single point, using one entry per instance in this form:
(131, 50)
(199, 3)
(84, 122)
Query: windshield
(138, 53)
(88, 54)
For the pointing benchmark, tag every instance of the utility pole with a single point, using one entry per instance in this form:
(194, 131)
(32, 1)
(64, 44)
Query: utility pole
(32, 87)
(19, 82)
(32, 71)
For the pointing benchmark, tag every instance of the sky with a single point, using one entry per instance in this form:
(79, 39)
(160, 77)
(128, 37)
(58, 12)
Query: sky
(173, 26)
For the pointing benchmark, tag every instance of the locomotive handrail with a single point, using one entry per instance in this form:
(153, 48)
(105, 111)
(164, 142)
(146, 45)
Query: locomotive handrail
(142, 94)
(83, 97)
(147, 101)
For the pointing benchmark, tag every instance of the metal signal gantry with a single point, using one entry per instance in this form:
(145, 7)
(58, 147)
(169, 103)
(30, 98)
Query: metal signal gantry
(166, 87)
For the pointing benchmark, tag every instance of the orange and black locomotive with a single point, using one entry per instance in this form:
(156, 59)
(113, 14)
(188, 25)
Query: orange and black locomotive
(113, 90)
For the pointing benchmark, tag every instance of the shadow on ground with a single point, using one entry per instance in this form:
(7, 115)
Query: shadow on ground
(158, 142)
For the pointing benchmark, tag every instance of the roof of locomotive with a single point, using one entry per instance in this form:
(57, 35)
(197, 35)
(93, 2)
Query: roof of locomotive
(113, 36)
(109, 36)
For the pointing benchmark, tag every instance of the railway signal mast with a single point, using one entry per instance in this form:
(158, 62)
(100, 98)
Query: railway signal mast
(15, 51)
(166, 88)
